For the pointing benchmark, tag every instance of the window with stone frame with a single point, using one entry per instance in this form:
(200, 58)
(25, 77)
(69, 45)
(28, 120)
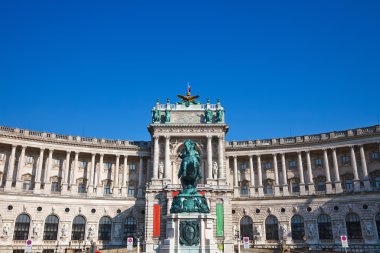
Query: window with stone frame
(320, 183)
(83, 164)
(297, 227)
(374, 178)
(244, 188)
(108, 165)
(268, 187)
(294, 185)
(82, 185)
(51, 227)
(348, 182)
(131, 189)
(271, 228)
(107, 187)
(29, 160)
(267, 165)
(105, 228)
(78, 230)
(374, 156)
(354, 230)
(292, 164)
(318, 162)
(130, 227)
(57, 162)
(246, 227)
(377, 220)
(324, 227)
(345, 159)
(55, 184)
(27, 182)
(132, 166)
(22, 226)
(243, 166)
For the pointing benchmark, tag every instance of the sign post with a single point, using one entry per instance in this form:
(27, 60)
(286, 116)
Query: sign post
(343, 239)
(28, 246)
(246, 242)
(130, 243)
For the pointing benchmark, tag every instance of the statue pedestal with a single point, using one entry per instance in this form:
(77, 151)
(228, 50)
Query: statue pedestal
(190, 233)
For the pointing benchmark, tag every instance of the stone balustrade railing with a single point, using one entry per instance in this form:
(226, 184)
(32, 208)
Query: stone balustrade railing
(174, 106)
(72, 139)
(306, 138)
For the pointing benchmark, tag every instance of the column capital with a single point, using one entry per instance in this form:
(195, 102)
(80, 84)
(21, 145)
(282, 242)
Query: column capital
(125, 155)
(117, 155)
(258, 156)
(68, 151)
(250, 156)
(307, 151)
(274, 154)
(299, 152)
(333, 148)
(42, 149)
(360, 145)
(167, 137)
(234, 156)
(24, 146)
(76, 152)
(324, 149)
(101, 154)
(93, 154)
(51, 150)
(155, 137)
(209, 136)
(14, 146)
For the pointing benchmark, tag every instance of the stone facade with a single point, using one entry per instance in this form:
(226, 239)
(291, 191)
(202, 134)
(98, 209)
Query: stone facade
(328, 181)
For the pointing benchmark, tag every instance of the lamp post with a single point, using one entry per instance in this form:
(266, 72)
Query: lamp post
(237, 236)
(138, 235)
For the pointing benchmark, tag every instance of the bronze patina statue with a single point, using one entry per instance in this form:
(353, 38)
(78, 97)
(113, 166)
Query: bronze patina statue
(189, 200)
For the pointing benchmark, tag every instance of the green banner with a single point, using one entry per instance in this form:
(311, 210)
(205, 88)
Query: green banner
(219, 220)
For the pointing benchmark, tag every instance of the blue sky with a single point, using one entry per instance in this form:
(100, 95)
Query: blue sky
(280, 68)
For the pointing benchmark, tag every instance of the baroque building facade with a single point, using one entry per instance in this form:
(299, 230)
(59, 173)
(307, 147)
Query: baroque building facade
(67, 192)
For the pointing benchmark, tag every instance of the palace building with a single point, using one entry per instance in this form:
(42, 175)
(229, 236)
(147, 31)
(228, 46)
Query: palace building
(66, 193)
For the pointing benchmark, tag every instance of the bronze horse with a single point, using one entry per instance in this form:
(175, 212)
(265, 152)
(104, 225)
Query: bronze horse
(190, 169)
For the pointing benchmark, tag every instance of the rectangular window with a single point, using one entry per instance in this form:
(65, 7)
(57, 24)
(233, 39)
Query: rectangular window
(318, 162)
(131, 191)
(29, 160)
(83, 164)
(349, 185)
(55, 187)
(109, 165)
(295, 187)
(107, 189)
(268, 189)
(267, 165)
(244, 190)
(345, 159)
(132, 166)
(57, 162)
(243, 166)
(374, 156)
(26, 185)
(321, 186)
(82, 188)
(292, 164)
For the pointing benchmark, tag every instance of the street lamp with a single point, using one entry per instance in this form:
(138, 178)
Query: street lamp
(138, 235)
(237, 236)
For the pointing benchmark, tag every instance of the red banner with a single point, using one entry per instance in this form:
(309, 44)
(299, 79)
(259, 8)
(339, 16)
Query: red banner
(156, 220)
(175, 193)
(202, 193)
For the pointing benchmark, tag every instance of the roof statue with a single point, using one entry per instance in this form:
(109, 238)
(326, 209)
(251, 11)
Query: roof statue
(188, 99)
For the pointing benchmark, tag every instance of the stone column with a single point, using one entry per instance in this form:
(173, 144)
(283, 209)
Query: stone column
(21, 165)
(65, 175)
(355, 170)
(47, 183)
(367, 185)
(141, 167)
(260, 177)
(221, 175)
(11, 167)
(236, 182)
(155, 157)
(115, 191)
(310, 173)
(338, 185)
(167, 158)
(125, 177)
(92, 174)
(327, 172)
(285, 189)
(74, 184)
(37, 184)
(209, 158)
(252, 177)
(277, 184)
(99, 187)
(300, 170)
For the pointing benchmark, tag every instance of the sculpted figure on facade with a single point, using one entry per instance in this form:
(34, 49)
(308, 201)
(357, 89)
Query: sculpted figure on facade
(167, 116)
(368, 228)
(36, 230)
(284, 231)
(161, 170)
(219, 116)
(64, 231)
(311, 230)
(91, 231)
(156, 117)
(6, 229)
(259, 232)
(215, 170)
(208, 116)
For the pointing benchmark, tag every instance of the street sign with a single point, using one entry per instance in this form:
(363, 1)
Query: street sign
(130, 243)
(28, 246)
(246, 242)
(343, 239)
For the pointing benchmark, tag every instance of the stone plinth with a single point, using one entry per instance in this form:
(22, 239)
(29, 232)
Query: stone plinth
(174, 244)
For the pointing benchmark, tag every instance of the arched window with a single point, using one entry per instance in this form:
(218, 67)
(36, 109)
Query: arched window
(324, 227)
(22, 226)
(79, 228)
(130, 227)
(377, 219)
(51, 227)
(271, 228)
(298, 229)
(246, 227)
(354, 230)
(105, 226)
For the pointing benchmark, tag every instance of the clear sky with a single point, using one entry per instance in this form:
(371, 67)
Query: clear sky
(280, 68)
